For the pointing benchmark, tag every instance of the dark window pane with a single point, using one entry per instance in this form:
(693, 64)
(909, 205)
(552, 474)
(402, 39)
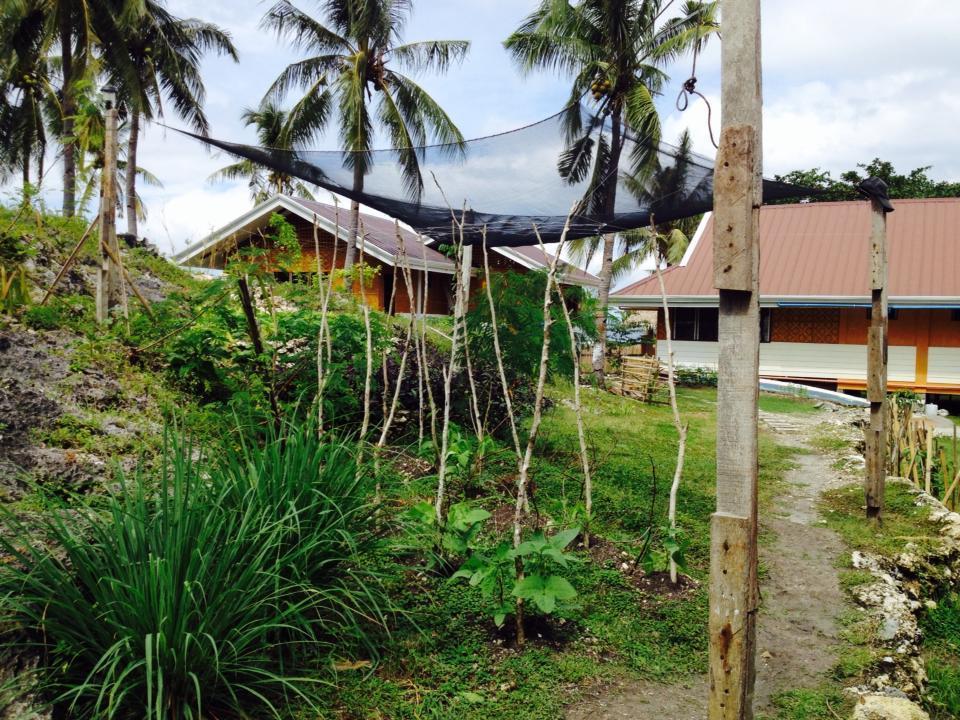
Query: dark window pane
(765, 322)
(684, 324)
(707, 325)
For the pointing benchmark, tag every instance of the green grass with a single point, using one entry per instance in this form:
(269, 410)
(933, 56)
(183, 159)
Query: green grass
(447, 660)
(941, 628)
(213, 594)
(903, 521)
(786, 404)
(816, 704)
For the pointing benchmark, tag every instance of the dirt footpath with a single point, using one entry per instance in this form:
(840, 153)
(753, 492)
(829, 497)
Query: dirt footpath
(801, 599)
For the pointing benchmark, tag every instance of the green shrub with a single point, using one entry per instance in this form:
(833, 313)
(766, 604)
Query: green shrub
(695, 376)
(200, 599)
(43, 317)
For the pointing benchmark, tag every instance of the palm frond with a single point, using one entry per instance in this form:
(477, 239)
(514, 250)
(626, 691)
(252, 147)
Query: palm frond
(436, 55)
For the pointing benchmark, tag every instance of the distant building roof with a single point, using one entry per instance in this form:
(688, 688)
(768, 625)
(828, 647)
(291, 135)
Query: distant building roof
(533, 257)
(819, 253)
(380, 233)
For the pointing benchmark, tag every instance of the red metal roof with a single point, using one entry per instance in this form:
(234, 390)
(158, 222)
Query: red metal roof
(380, 231)
(570, 273)
(813, 250)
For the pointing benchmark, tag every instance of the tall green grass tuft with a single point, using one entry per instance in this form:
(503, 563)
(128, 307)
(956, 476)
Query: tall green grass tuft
(210, 591)
(941, 629)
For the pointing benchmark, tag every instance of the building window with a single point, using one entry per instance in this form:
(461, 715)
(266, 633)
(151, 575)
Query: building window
(697, 324)
(766, 318)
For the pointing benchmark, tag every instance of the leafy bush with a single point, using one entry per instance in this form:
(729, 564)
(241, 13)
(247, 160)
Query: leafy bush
(695, 376)
(542, 558)
(198, 600)
(518, 298)
(43, 317)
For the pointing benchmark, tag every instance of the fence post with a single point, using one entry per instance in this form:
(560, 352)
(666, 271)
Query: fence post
(737, 200)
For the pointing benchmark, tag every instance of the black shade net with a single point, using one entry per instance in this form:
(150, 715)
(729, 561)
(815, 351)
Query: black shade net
(512, 181)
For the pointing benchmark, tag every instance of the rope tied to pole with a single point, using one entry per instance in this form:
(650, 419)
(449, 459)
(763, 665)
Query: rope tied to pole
(689, 88)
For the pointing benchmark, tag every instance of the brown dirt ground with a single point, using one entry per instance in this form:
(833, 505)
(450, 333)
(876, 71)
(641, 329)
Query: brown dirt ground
(801, 599)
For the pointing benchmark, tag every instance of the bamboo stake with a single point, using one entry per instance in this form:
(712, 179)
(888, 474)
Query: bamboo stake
(674, 407)
(578, 412)
(133, 285)
(536, 419)
(499, 354)
(928, 462)
(389, 416)
(72, 257)
(448, 373)
(425, 366)
(365, 426)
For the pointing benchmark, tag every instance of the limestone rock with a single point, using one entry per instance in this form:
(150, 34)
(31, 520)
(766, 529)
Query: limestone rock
(887, 707)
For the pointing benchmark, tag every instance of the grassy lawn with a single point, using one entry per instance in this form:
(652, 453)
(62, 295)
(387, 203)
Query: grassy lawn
(447, 660)
(786, 404)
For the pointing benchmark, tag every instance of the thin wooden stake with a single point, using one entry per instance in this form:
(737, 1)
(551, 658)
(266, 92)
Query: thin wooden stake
(72, 257)
(536, 419)
(677, 422)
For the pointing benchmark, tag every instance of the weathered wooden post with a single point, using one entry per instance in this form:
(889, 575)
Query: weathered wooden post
(733, 534)
(876, 433)
(108, 274)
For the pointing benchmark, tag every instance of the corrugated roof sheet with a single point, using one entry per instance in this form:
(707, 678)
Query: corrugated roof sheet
(380, 231)
(569, 271)
(822, 250)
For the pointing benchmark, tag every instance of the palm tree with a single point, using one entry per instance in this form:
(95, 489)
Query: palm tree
(615, 49)
(26, 92)
(74, 27)
(351, 59)
(165, 52)
(272, 127)
(664, 243)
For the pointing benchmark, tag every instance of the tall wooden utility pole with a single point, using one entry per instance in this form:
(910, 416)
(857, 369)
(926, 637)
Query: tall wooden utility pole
(876, 434)
(737, 187)
(108, 274)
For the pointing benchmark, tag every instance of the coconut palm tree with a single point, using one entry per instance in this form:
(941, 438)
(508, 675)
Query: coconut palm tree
(355, 55)
(73, 27)
(616, 50)
(273, 130)
(664, 243)
(165, 52)
(26, 92)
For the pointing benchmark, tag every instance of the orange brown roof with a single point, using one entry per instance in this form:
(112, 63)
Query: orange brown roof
(821, 250)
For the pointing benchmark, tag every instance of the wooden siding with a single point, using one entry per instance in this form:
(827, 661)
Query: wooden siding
(814, 361)
(944, 366)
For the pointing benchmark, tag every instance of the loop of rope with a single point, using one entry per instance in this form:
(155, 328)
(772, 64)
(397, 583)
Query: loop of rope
(690, 88)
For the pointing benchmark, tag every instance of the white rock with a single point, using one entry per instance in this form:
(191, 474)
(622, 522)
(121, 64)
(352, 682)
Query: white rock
(883, 707)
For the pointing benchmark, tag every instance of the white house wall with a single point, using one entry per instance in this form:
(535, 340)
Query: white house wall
(943, 365)
(805, 360)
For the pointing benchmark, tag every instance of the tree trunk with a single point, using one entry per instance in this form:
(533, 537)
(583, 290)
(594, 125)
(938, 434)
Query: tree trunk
(348, 259)
(68, 109)
(606, 279)
(26, 168)
(131, 176)
(609, 240)
(678, 424)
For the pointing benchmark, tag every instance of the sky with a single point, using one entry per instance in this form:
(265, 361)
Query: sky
(844, 81)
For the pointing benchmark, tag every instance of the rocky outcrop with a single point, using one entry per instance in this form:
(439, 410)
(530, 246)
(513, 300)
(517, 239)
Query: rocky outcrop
(903, 586)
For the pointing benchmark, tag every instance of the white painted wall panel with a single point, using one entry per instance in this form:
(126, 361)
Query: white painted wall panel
(943, 365)
(689, 353)
(804, 360)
